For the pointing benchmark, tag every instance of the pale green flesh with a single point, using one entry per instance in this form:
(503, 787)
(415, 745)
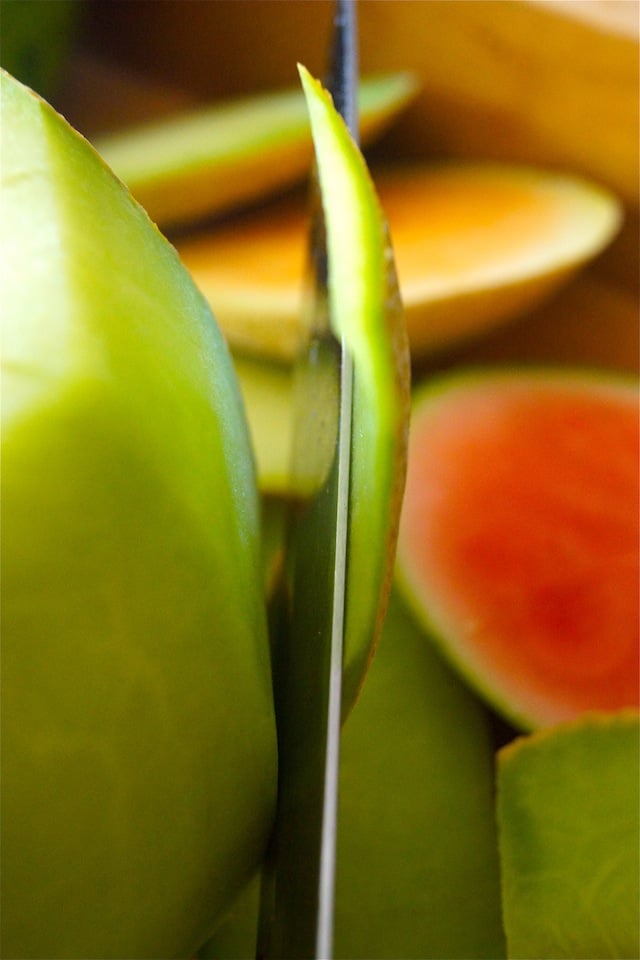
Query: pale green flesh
(137, 721)
(219, 156)
(364, 310)
(569, 818)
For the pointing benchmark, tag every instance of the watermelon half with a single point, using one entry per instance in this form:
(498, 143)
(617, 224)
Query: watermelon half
(518, 547)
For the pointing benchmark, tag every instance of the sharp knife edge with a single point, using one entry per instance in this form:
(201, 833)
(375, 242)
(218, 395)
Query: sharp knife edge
(344, 88)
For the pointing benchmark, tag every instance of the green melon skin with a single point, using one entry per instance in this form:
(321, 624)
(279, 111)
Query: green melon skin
(518, 546)
(569, 827)
(138, 734)
(366, 314)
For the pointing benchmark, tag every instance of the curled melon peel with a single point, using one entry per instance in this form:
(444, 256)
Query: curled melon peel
(569, 832)
(366, 315)
(518, 540)
(475, 244)
(138, 736)
(214, 158)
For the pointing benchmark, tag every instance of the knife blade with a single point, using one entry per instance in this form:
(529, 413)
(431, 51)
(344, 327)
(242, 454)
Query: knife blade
(297, 900)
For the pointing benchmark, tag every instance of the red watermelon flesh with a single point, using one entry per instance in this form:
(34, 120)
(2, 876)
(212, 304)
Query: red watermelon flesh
(518, 545)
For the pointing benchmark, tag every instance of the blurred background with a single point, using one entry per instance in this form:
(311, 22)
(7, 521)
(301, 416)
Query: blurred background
(554, 83)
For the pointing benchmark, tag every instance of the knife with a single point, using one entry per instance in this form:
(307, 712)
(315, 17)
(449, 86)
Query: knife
(297, 898)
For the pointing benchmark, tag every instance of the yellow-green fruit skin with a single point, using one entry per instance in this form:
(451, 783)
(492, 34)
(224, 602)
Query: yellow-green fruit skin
(138, 735)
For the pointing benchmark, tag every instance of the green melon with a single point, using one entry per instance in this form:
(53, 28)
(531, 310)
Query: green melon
(138, 733)
(518, 547)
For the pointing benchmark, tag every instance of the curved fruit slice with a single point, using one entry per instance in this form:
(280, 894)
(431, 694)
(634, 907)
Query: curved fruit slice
(518, 547)
(475, 245)
(214, 158)
(366, 313)
(569, 825)
(138, 735)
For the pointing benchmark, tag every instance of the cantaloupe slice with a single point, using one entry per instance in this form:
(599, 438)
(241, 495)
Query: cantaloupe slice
(569, 825)
(212, 158)
(538, 80)
(518, 545)
(475, 245)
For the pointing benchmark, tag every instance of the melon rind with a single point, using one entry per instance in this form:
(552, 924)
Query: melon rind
(568, 810)
(366, 314)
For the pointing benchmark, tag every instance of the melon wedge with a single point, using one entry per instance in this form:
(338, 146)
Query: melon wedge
(569, 829)
(138, 731)
(475, 245)
(518, 547)
(211, 158)
(366, 315)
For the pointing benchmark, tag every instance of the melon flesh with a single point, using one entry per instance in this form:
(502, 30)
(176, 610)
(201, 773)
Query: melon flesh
(519, 537)
(475, 245)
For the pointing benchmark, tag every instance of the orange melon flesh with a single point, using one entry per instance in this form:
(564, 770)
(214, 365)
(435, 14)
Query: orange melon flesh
(518, 543)
(475, 245)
